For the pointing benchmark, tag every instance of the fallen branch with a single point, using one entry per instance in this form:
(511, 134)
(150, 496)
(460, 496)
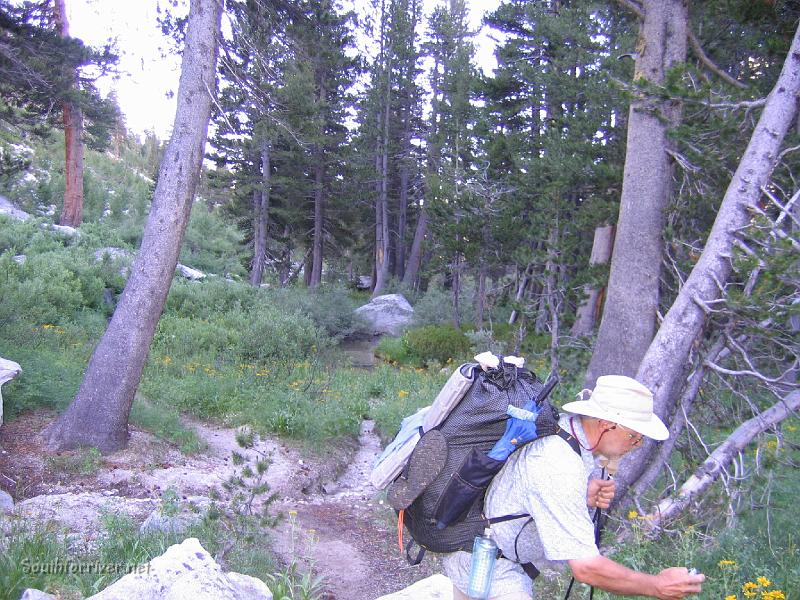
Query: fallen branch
(708, 472)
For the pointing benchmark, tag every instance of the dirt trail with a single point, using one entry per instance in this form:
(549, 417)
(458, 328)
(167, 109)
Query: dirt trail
(337, 524)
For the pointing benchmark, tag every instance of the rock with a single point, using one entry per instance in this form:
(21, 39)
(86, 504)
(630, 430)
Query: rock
(20, 259)
(31, 594)
(249, 587)
(436, 587)
(8, 371)
(64, 230)
(6, 502)
(189, 273)
(80, 512)
(185, 570)
(8, 208)
(363, 282)
(388, 314)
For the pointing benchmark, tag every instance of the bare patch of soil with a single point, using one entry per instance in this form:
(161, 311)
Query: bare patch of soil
(338, 526)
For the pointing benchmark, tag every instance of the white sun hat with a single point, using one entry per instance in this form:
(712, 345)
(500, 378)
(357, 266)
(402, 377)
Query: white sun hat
(624, 401)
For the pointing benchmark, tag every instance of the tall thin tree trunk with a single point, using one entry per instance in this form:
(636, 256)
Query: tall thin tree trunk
(98, 416)
(629, 317)
(522, 287)
(402, 212)
(457, 290)
(319, 179)
(590, 307)
(480, 296)
(415, 257)
(261, 199)
(72, 213)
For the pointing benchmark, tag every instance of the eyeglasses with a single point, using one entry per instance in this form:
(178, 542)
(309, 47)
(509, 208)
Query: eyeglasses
(635, 437)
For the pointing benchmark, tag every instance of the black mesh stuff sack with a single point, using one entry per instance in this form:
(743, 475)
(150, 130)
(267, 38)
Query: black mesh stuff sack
(448, 513)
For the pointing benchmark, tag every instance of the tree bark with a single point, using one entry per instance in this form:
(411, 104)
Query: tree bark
(522, 286)
(415, 257)
(381, 267)
(315, 279)
(629, 317)
(708, 472)
(98, 416)
(72, 213)
(261, 199)
(663, 365)
(589, 309)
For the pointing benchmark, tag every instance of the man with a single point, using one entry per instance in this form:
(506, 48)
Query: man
(547, 480)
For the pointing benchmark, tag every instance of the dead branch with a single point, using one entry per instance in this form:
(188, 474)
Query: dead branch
(634, 7)
(785, 210)
(708, 472)
(698, 50)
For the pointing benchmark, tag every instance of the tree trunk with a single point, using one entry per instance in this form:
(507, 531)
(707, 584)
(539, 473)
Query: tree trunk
(663, 365)
(415, 258)
(382, 241)
(480, 296)
(261, 198)
(522, 286)
(629, 317)
(315, 278)
(402, 213)
(72, 213)
(98, 416)
(589, 309)
(457, 290)
(551, 293)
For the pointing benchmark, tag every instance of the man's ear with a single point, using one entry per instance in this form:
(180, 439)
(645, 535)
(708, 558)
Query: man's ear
(606, 425)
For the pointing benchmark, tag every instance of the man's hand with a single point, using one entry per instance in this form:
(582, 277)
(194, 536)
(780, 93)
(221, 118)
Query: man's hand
(600, 493)
(676, 583)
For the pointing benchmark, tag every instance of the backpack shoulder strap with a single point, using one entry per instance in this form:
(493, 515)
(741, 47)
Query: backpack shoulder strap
(570, 439)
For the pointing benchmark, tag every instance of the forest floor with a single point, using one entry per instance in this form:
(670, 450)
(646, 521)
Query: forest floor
(337, 527)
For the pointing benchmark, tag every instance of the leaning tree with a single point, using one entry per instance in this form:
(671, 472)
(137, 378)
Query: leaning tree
(98, 416)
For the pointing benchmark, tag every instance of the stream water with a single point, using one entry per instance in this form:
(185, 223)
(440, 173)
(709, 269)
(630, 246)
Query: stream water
(360, 352)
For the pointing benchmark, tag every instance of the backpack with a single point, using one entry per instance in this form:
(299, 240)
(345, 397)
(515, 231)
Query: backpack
(439, 492)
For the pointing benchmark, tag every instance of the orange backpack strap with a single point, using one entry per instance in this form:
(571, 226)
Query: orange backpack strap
(400, 516)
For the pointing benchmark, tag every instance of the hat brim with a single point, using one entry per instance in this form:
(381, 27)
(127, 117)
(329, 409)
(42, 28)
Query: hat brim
(653, 427)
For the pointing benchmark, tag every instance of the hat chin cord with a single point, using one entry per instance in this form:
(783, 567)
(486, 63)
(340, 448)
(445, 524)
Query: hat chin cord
(572, 428)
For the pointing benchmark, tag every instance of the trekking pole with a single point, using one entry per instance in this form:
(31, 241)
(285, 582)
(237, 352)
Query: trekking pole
(609, 469)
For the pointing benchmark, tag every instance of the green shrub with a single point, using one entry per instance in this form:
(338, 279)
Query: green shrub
(211, 244)
(435, 307)
(442, 343)
(331, 307)
(395, 350)
(208, 298)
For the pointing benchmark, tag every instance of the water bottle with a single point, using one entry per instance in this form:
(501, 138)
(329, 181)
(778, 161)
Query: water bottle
(484, 555)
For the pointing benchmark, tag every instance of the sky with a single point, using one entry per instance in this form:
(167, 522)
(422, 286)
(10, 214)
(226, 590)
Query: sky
(148, 75)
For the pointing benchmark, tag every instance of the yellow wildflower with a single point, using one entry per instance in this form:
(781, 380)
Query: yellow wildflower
(730, 597)
(632, 514)
(748, 589)
(773, 595)
(726, 563)
(763, 582)
(402, 393)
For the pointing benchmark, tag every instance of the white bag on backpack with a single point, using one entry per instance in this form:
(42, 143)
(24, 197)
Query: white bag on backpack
(394, 458)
